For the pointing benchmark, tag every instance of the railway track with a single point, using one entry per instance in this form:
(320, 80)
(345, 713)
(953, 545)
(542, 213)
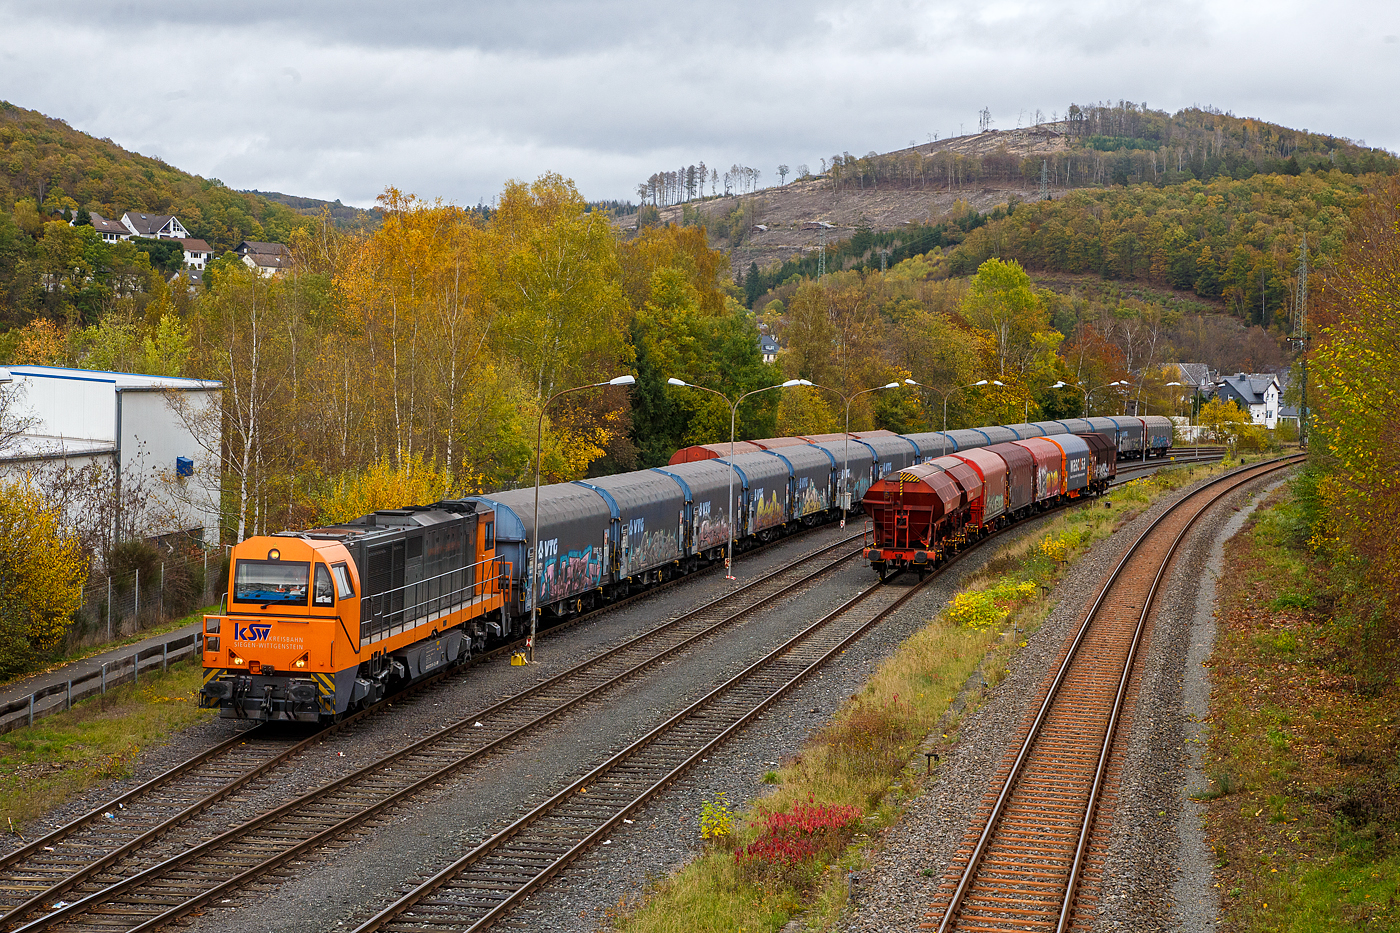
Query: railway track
(490, 880)
(1029, 863)
(487, 883)
(92, 857)
(137, 885)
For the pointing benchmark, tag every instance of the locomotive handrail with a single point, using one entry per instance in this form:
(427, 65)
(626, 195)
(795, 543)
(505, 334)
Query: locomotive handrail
(447, 602)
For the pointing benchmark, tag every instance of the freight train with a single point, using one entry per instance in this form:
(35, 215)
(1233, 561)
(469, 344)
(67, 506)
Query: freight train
(325, 621)
(920, 514)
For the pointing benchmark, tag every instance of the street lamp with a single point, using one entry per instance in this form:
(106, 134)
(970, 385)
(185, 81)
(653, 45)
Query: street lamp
(845, 494)
(943, 441)
(535, 532)
(733, 416)
(1123, 383)
(1177, 407)
(1084, 413)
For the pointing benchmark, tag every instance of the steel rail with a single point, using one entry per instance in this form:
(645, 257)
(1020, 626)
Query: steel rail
(76, 873)
(445, 876)
(204, 803)
(1120, 697)
(650, 740)
(445, 734)
(1234, 480)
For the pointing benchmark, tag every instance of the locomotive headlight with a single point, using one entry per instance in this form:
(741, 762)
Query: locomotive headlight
(300, 663)
(234, 659)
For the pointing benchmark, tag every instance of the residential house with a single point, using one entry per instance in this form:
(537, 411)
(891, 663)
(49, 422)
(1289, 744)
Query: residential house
(109, 230)
(194, 278)
(197, 253)
(1258, 394)
(768, 346)
(1196, 377)
(155, 226)
(266, 259)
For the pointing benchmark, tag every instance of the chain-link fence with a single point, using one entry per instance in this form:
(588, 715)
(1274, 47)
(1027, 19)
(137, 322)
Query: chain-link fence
(167, 583)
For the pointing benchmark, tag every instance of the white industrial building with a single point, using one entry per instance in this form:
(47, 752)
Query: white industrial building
(154, 434)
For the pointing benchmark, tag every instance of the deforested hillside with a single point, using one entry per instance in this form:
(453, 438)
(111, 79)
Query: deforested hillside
(1095, 149)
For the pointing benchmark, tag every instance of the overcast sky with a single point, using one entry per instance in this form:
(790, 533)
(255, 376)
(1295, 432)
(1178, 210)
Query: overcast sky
(341, 99)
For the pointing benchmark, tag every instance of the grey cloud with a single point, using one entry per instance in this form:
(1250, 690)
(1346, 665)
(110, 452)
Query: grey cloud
(340, 100)
(539, 26)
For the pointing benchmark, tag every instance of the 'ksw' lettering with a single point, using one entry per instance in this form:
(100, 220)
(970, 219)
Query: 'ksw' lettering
(258, 631)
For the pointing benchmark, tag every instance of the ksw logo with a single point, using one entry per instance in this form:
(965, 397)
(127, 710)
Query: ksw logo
(258, 631)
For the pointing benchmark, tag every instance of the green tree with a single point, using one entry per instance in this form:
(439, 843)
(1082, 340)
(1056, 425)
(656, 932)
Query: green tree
(1002, 302)
(1356, 392)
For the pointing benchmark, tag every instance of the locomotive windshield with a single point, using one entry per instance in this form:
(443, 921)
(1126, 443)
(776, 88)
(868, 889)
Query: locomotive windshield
(276, 582)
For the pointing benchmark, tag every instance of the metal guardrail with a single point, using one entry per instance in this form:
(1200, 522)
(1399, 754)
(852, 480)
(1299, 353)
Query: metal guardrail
(60, 697)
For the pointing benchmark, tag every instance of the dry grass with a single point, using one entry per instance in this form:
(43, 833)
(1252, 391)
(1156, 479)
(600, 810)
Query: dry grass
(1304, 759)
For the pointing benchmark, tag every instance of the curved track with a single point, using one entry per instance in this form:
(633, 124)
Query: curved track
(1025, 862)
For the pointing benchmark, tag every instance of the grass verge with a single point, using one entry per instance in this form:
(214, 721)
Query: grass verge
(865, 757)
(1304, 758)
(98, 739)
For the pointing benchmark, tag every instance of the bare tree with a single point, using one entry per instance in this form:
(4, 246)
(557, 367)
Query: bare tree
(14, 422)
(782, 174)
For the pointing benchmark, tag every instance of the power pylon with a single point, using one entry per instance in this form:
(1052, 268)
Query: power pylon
(1300, 338)
(821, 254)
(1044, 180)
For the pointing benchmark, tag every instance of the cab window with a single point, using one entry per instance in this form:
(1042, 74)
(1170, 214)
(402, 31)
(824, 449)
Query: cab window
(321, 594)
(343, 588)
(490, 535)
(271, 582)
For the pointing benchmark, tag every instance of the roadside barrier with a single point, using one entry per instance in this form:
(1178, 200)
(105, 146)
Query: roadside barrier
(59, 697)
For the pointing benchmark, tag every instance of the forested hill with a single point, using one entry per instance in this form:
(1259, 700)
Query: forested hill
(47, 163)
(342, 215)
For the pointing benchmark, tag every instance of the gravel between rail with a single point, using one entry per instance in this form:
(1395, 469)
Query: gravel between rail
(347, 886)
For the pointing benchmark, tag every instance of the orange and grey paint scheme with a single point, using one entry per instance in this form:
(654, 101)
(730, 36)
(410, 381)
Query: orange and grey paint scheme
(326, 621)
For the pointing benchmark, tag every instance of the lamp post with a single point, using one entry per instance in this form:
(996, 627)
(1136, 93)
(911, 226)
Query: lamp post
(846, 450)
(1177, 407)
(733, 418)
(1084, 413)
(1123, 383)
(943, 440)
(535, 530)
(845, 493)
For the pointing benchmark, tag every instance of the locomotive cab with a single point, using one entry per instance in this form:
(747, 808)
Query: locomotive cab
(272, 655)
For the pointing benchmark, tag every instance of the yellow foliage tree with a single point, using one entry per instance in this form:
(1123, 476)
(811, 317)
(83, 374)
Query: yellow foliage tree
(1356, 373)
(42, 569)
(382, 485)
(1225, 422)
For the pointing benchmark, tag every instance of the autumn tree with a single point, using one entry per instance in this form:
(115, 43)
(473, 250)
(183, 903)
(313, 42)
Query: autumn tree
(1356, 377)
(41, 577)
(1003, 304)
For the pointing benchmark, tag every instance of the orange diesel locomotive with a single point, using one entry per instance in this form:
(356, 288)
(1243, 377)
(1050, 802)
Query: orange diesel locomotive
(326, 621)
